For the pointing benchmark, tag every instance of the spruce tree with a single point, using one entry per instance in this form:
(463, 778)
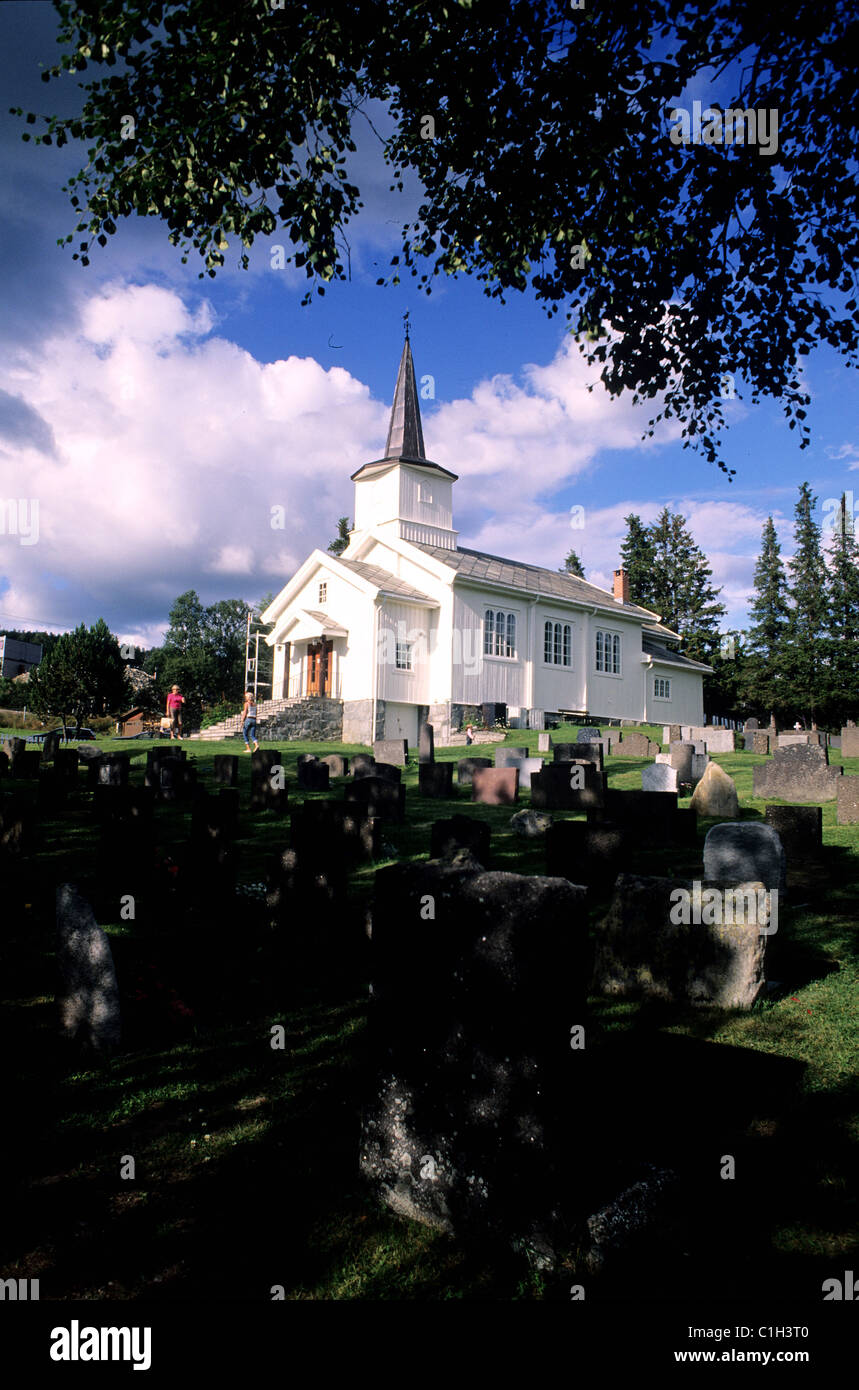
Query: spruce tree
(766, 683)
(681, 590)
(638, 557)
(573, 565)
(809, 619)
(843, 643)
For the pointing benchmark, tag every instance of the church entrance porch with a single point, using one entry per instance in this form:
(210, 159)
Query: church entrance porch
(318, 668)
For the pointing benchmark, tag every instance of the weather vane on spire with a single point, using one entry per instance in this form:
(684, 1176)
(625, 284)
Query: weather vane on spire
(406, 322)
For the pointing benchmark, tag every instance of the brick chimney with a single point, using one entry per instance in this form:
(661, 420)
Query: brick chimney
(620, 588)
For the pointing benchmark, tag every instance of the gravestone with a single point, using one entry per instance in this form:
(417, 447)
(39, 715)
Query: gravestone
(379, 797)
(169, 775)
(112, 770)
(579, 752)
(389, 771)
(544, 743)
(226, 770)
(4, 763)
(435, 779)
(744, 851)
(716, 740)
(266, 775)
(338, 765)
(635, 745)
(792, 740)
(834, 740)
(335, 829)
(426, 744)
(391, 750)
(569, 786)
(363, 765)
(685, 826)
(495, 786)
(88, 998)
(800, 829)
(530, 824)
(52, 792)
(468, 1032)
(659, 777)
(644, 948)
(15, 826)
(681, 760)
(585, 853)
(673, 734)
(700, 763)
(751, 725)
(466, 767)
(313, 775)
(800, 773)
(14, 747)
(448, 837)
(26, 765)
(66, 767)
(53, 739)
(585, 735)
(509, 756)
(761, 743)
(716, 794)
(850, 741)
(848, 801)
(650, 817)
(526, 766)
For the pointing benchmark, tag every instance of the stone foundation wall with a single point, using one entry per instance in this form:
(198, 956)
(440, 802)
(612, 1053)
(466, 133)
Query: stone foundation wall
(316, 720)
(357, 718)
(440, 717)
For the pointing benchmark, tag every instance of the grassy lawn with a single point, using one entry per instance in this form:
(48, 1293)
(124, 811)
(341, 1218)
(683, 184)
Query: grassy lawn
(246, 1156)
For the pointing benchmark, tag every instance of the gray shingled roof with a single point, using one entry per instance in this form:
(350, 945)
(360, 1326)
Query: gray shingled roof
(325, 622)
(660, 652)
(387, 582)
(532, 579)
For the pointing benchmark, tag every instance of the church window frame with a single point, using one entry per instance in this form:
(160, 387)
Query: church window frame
(608, 653)
(499, 634)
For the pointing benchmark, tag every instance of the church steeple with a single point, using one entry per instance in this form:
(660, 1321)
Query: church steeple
(405, 436)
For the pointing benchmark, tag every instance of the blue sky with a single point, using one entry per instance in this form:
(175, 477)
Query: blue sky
(157, 418)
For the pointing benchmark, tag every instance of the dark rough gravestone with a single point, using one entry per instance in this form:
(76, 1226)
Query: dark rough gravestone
(675, 733)
(468, 1032)
(391, 750)
(635, 745)
(848, 801)
(495, 786)
(797, 773)
(579, 752)
(744, 852)
(226, 769)
(113, 770)
(436, 779)
(337, 765)
(14, 747)
(800, 829)
(569, 786)
(426, 744)
(4, 764)
(644, 949)
(508, 756)
(88, 998)
(313, 776)
(531, 825)
(585, 735)
(15, 826)
(466, 768)
(447, 837)
(583, 853)
(760, 743)
(751, 725)
(379, 797)
(650, 817)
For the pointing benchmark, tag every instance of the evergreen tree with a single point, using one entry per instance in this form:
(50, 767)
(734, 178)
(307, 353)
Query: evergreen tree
(844, 618)
(82, 675)
(638, 559)
(766, 684)
(573, 565)
(341, 541)
(809, 619)
(681, 590)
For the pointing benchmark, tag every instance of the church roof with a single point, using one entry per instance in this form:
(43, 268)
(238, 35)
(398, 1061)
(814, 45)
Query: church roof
(660, 652)
(532, 579)
(386, 582)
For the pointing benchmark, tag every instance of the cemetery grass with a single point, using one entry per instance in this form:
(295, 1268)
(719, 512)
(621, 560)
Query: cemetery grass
(246, 1156)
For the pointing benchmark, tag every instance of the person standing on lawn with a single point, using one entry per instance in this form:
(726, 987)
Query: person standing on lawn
(249, 721)
(175, 701)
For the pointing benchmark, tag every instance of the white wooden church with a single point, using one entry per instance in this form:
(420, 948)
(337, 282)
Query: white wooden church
(406, 624)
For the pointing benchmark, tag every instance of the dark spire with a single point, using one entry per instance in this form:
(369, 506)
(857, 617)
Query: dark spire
(405, 436)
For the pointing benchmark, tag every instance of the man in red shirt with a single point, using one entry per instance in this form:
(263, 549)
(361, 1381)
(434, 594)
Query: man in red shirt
(175, 701)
